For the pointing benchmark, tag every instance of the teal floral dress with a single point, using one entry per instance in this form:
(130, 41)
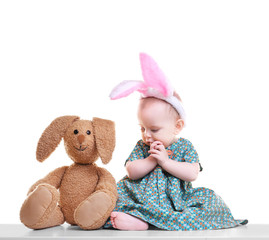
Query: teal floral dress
(169, 203)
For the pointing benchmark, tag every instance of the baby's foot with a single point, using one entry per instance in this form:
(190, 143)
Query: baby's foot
(125, 221)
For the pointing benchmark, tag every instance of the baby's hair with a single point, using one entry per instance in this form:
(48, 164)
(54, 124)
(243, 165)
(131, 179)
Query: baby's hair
(177, 96)
(174, 113)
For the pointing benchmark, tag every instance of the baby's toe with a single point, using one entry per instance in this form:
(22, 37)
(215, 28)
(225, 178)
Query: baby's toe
(113, 215)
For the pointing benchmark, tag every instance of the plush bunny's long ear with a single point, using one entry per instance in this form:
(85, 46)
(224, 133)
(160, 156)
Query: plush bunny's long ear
(104, 133)
(52, 136)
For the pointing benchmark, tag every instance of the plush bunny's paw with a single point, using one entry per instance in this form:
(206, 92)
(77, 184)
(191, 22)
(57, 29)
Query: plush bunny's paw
(93, 212)
(40, 209)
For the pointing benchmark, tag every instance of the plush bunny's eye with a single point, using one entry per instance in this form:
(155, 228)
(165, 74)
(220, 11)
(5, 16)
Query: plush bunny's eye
(76, 131)
(88, 132)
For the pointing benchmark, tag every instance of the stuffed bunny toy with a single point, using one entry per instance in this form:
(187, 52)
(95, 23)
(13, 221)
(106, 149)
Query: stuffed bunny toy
(87, 193)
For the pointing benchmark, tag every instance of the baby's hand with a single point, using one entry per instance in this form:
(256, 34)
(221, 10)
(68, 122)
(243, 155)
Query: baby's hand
(154, 144)
(157, 150)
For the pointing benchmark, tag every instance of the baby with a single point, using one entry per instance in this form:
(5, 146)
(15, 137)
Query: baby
(157, 189)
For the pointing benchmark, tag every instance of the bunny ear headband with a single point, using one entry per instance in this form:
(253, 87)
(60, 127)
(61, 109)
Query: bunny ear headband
(155, 84)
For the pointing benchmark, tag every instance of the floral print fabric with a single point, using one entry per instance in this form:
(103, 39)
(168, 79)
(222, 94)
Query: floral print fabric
(168, 202)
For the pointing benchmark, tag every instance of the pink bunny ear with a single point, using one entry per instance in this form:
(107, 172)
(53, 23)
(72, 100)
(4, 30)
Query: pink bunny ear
(154, 76)
(125, 88)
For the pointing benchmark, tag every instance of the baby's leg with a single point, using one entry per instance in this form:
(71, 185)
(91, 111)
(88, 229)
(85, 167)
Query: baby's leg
(125, 221)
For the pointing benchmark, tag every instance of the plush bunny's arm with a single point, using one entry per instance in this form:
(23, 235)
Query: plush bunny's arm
(54, 178)
(106, 182)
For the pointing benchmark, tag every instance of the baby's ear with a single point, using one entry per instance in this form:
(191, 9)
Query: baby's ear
(179, 126)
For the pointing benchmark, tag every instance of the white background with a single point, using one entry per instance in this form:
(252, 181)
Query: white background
(64, 57)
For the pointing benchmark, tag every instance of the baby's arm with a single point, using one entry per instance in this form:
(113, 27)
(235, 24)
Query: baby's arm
(140, 168)
(182, 170)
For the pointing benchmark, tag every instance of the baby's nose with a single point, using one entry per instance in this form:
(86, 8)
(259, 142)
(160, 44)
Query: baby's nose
(81, 139)
(147, 134)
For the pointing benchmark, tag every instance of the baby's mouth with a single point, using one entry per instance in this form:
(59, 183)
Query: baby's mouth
(81, 149)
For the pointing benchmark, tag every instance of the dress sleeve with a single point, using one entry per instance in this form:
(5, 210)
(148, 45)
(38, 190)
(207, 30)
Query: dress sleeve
(190, 154)
(137, 153)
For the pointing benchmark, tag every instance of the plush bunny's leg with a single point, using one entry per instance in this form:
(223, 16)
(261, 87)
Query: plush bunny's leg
(40, 209)
(93, 212)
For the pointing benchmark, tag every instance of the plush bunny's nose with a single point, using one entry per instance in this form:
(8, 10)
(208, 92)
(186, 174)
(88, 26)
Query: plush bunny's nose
(81, 139)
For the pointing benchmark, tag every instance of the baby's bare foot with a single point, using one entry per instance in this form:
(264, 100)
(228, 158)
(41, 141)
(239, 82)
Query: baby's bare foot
(125, 221)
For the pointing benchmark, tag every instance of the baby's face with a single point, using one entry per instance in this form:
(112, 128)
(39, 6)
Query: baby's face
(157, 122)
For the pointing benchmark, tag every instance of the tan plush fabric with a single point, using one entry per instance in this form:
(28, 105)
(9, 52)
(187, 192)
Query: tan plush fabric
(70, 193)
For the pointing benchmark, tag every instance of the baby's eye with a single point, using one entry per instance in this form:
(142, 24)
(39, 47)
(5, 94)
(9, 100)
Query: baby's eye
(142, 129)
(155, 130)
